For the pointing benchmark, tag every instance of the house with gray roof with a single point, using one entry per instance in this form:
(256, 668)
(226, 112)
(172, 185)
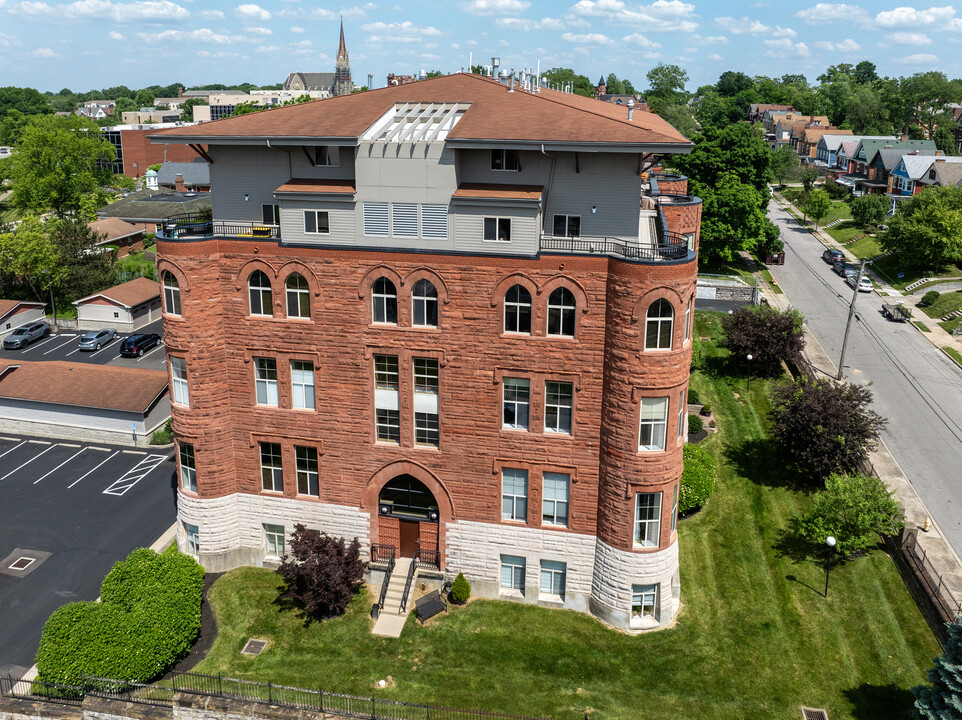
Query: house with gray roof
(149, 208)
(193, 176)
(910, 174)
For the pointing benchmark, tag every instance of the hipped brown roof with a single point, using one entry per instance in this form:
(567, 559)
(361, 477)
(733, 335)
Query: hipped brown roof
(307, 185)
(495, 113)
(505, 192)
(106, 387)
(131, 293)
(114, 228)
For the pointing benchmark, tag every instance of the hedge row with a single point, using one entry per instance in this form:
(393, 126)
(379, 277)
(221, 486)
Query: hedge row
(697, 478)
(148, 617)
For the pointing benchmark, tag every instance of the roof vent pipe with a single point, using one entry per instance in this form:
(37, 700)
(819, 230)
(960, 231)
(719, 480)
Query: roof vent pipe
(423, 75)
(495, 64)
(631, 108)
(512, 80)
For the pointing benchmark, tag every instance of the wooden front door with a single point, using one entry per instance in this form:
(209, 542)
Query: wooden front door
(410, 535)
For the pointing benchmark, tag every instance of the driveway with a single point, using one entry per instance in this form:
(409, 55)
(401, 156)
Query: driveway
(914, 385)
(68, 511)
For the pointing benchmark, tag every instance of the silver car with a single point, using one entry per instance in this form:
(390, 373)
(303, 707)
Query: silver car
(23, 336)
(96, 339)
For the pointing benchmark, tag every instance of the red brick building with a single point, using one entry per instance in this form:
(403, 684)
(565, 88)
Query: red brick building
(451, 319)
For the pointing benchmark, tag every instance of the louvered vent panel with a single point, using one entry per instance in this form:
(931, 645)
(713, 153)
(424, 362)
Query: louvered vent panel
(434, 222)
(404, 220)
(376, 219)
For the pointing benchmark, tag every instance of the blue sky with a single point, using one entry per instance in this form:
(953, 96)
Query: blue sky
(84, 44)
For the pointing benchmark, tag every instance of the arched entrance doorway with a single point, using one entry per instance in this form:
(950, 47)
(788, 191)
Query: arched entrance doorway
(408, 515)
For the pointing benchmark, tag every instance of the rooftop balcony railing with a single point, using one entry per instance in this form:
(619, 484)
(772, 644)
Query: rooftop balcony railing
(199, 225)
(668, 248)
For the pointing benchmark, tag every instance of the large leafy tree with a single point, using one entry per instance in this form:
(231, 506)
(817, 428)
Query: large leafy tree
(582, 85)
(739, 148)
(817, 205)
(942, 700)
(86, 270)
(927, 229)
(730, 83)
(784, 163)
(824, 427)
(733, 217)
(666, 85)
(59, 161)
(868, 209)
(770, 335)
(322, 572)
(30, 258)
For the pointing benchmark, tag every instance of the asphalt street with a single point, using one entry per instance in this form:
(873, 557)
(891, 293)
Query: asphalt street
(915, 386)
(63, 346)
(68, 511)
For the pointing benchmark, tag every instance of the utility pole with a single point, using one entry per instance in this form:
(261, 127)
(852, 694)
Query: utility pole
(851, 312)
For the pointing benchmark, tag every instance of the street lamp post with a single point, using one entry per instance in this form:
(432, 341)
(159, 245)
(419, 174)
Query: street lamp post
(830, 541)
(748, 385)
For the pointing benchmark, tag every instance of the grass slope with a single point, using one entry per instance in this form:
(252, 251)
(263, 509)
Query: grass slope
(755, 638)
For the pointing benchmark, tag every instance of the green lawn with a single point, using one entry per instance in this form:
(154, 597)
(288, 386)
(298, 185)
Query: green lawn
(754, 638)
(954, 354)
(946, 303)
(839, 210)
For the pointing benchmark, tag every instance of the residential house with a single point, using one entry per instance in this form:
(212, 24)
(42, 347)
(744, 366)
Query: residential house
(756, 111)
(947, 174)
(126, 237)
(464, 338)
(910, 175)
(149, 209)
(831, 142)
(185, 176)
(806, 141)
(96, 109)
(883, 163)
(14, 313)
(866, 175)
(125, 307)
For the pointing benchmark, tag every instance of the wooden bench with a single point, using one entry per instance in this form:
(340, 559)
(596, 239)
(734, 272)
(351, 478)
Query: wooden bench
(427, 606)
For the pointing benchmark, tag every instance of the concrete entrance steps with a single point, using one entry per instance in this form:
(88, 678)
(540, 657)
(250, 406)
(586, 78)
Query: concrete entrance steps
(390, 621)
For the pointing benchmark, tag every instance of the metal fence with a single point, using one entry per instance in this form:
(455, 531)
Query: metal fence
(673, 248)
(945, 603)
(41, 691)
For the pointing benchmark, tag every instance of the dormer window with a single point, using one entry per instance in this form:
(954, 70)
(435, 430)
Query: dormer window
(505, 160)
(327, 156)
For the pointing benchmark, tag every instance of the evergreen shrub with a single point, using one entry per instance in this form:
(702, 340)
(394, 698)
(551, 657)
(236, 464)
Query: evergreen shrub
(460, 590)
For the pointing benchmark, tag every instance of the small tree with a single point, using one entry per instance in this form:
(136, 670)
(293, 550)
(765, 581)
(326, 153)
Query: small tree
(322, 573)
(460, 590)
(817, 204)
(697, 478)
(869, 209)
(784, 163)
(942, 700)
(824, 427)
(855, 510)
(808, 175)
(770, 335)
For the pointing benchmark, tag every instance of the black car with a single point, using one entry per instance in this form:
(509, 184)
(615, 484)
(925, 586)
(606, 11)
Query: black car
(833, 256)
(136, 345)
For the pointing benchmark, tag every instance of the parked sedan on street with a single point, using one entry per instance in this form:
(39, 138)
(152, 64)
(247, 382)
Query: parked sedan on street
(23, 336)
(833, 256)
(137, 345)
(96, 339)
(864, 285)
(844, 268)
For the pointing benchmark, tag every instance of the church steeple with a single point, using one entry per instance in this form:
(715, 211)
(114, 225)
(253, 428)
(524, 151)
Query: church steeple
(342, 69)
(342, 49)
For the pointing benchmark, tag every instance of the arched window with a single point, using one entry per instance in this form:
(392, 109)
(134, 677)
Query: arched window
(561, 313)
(171, 294)
(658, 325)
(517, 310)
(425, 297)
(259, 287)
(384, 298)
(298, 296)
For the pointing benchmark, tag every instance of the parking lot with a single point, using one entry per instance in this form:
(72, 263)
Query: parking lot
(68, 511)
(63, 346)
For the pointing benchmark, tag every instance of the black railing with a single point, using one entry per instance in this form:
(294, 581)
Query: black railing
(412, 571)
(428, 558)
(670, 247)
(128, 691)
(381, 552)
(43, 691)
(192, 225)
(382, 596)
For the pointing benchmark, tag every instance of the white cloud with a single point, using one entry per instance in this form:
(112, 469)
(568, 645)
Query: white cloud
(786, 48)
(743, 26)
(827, 13)
(909, 38)
(302, 44)
(142, 11)
(259, 31)
(250, 11)
(527, 25)
(845, 46)
(711, 39)
(44, 53)
(212, 15)
(911, 18)
(298, 30)
(404, 32)
(300, 13)
(715, 57)
(779, 31)
(204, 35)
(7, 40)
(661, 15)
(920, 59)
(495, 7)
(114, 35)
(639, 40)
(588, 38)
(268, 48)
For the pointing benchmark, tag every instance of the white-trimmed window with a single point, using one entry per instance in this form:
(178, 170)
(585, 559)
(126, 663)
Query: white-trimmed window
(658, 325)
(654, 423)
(178, 380)
(517, 310)
(171, 294)
(404, 220)
(425, 302)
(377, 219)
(497, 229)
(505, 160)
(512, 572)
(298, 296)
(272, 469)
(553, 577)
(317, 222)
(682, 412)
(384, 301)
(427, 429)
(516, 402)
(567, 226)
(271, 214)
(558, 401)
(644, 602)
(307, 474)
(689, 239)
(386, 404)
(302, 384)
(265, 381)
(274, 540)
(259, 291)
(192, 535)
(554, 501)
(688, 319)
(188, 467)
(647, 519)
(674, 509)
(561, 313)
(514, 494)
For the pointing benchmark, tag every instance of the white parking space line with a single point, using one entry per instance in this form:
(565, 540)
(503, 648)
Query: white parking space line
(9, 439)
(147, 354)
(54, 349)
(29, 461)
(91, 470)
(39, 442)
(35, 345)
(135, 475)
(60, 465)
(13, 448)
(115, 339)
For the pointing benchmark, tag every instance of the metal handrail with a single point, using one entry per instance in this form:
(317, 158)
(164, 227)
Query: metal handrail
(386, 581)
(412, 571)
(201, 225)
(670, 247)
(379, 551)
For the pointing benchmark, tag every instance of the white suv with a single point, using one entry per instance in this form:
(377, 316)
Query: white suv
(23, 336)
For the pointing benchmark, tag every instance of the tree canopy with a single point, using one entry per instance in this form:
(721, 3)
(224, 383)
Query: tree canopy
(768, 334)
(927, 230)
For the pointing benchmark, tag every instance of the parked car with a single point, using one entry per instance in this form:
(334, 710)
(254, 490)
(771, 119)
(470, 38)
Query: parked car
(136, 345)
(23, 336)
(844, 268)
(833, 256)
(864, 285)
(96, 339)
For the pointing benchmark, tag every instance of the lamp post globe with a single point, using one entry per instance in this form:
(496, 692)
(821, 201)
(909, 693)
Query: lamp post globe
(748, 384)
(830, 541)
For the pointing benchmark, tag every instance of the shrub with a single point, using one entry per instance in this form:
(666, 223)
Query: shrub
(695, 424)
(323, 572)
(164, 436)
(693, 396)
(697, 479)
(460, 590)
(928, 300)
(941, 699)
(148, 617)
(836, 191)
(824, 427)
(706, 409)
(855, 510)
(768, 334)
(869, 210)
